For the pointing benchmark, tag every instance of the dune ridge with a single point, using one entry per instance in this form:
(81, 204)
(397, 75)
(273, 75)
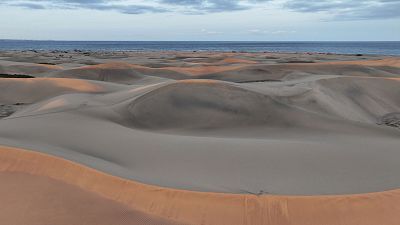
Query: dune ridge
(8, 67)
(210, 208)
(40, 200)
(30, 90)
(114, 72)
(199, 100)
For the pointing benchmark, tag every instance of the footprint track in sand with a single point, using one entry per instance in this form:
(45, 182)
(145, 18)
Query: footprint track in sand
(8, 109)
(391, 120)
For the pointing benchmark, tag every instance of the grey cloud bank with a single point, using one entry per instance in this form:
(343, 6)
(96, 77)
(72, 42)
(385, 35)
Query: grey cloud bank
(340, 10)
(349, 10)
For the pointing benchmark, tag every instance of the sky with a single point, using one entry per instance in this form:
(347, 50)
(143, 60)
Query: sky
(201, 20)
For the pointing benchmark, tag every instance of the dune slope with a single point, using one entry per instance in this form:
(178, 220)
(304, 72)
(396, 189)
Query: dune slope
(203, 104)
(199, 138)
(42, 200)
(184, 206)
(208, 130)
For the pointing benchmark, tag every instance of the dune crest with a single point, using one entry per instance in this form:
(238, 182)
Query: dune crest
(7, 67)
(202, 104)
(200, 70)
(56, 202)
(393, 62)
(210, 208)
(16, 90)
(110, 72)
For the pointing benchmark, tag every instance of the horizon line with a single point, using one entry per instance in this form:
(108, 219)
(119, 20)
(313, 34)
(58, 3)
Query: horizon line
(65, 40)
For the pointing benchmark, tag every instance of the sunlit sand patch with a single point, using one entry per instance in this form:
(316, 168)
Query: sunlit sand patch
(209, 208)
(78, 85)
(393, 62)
(55, 67)
(198, 81)
(74, 84)
(203, 69)
(236, 60)
(53, 104)
(44, 200)
(110, 65)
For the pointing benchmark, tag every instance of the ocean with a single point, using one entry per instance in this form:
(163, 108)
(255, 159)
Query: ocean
(380, 48)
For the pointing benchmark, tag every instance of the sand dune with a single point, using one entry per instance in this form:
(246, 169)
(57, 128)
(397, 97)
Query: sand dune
(188, 207)
(236, 61)
(32, 90)
(203, 104)
(7, 67)
(200, 138)
(210, 104)
(199, 70)
(358, 99)
(384, 68)
(218, 125)
(121, 73)
(390, 62)
(42, 200)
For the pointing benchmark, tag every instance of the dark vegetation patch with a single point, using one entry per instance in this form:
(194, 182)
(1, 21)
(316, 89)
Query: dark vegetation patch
(188, 57)
(156, 65)
(89, 63)
(2, 75)
(296, 61)
(47, 63)
(258, 81)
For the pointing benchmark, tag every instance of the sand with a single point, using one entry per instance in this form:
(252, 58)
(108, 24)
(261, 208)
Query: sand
(45, 175)
(205, 138)
(40, 200)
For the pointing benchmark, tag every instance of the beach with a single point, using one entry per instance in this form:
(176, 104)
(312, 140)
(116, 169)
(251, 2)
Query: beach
(200, 137)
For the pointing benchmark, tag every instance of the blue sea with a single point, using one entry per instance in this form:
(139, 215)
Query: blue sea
(381, 48)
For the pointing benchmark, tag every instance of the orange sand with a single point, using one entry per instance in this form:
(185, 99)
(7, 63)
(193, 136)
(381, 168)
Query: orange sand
(211, 208)
(39, 200)
(198, 81)
(72, 84)
(200, 70)
(393, 62)
(235, 60)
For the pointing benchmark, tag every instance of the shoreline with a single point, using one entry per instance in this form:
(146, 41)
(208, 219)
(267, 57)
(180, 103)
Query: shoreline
(190, 51)
(323, 47)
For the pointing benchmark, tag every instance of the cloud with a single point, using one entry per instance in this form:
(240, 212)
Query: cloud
(150, 6)
(348, 10)
(337, 9)
(28, 5)
(114, 5)
(273, 32)
(209, 6)
(127, 9)
(211, 32)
